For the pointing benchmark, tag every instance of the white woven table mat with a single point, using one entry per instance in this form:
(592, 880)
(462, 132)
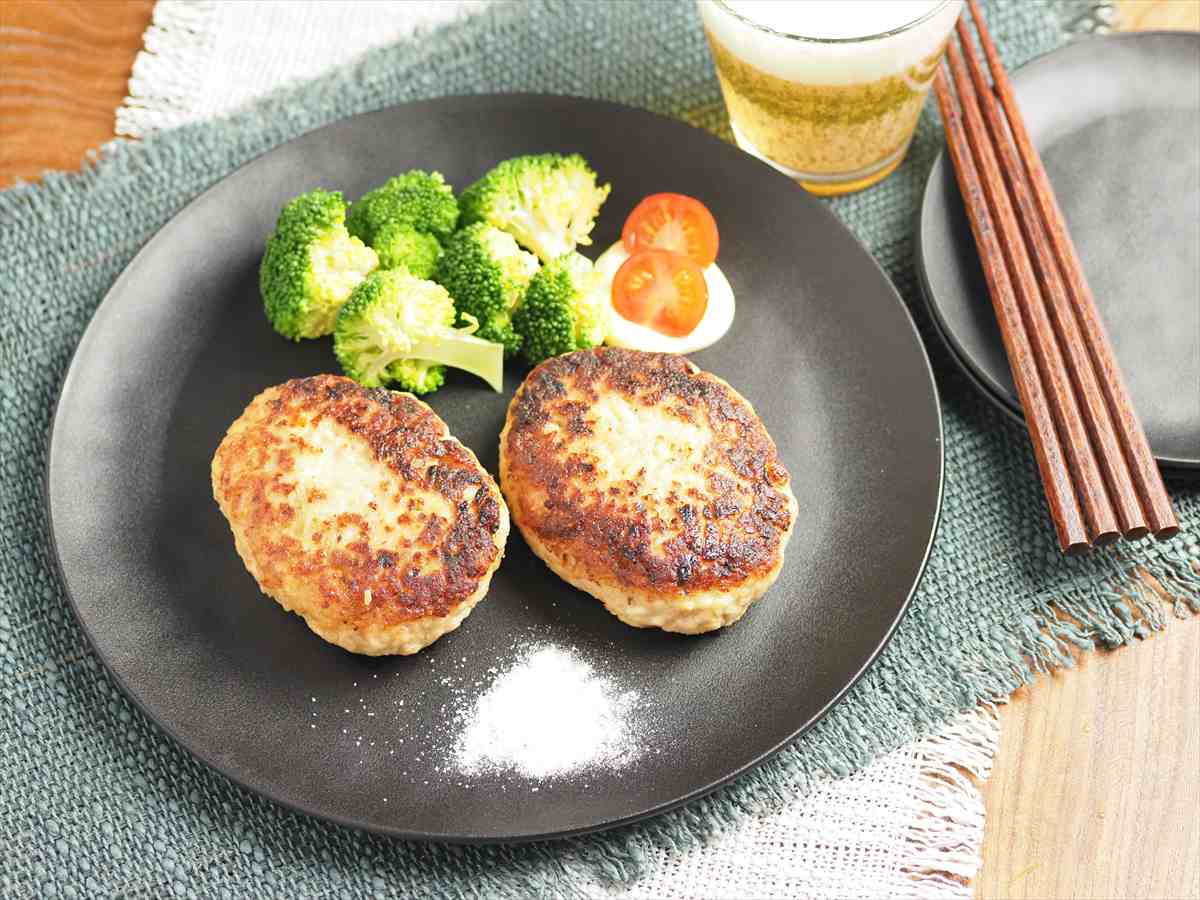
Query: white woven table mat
(909, 825)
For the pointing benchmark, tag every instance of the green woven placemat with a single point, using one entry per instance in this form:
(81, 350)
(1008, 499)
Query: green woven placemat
(96, 800)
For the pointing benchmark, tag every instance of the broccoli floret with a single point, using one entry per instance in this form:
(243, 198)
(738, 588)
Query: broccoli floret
(311, 265)
(402, 245)
(398, 329)
(565, 309)
(548, 202)
(420, 199)
(486, 273)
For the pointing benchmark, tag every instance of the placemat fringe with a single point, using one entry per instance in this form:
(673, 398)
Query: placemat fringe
(170, 74)
(942, 852)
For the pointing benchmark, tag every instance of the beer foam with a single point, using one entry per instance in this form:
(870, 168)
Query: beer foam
(833, 19)
(739, 26)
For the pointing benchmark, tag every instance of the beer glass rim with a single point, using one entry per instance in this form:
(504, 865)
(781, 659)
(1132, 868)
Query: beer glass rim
(899, 29)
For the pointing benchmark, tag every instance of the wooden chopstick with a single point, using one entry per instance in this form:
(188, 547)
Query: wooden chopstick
(1056, 383)
(1121, 490)
(1073, 430)
(1159, 514)
(1065, 511)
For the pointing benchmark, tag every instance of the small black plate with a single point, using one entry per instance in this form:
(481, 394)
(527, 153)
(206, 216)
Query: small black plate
(821, 345)
(1117, 122)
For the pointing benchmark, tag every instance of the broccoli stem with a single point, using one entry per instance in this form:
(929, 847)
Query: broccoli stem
(466, 352)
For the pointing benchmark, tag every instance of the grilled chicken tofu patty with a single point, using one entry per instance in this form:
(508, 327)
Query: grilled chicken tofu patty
(649, 484)
(358, 511)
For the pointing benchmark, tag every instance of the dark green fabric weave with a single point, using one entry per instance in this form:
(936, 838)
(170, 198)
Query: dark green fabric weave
(95, 800)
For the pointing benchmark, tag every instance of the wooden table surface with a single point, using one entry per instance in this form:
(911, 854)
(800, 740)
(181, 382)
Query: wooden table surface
(1096, 788)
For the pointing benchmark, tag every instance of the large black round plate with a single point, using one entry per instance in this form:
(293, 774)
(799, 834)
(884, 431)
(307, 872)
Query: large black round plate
(1117, 122)
(821, 345)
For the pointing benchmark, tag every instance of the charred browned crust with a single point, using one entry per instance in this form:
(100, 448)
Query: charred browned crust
(714, 539)
(408, 438)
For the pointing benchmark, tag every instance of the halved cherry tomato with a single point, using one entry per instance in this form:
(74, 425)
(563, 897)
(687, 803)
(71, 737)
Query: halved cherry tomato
(662, 290)
(672, 222)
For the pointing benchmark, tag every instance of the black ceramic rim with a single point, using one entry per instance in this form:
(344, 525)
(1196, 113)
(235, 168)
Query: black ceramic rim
(231, 770)
(977, 374)
(1183, 470)
(1182, 475)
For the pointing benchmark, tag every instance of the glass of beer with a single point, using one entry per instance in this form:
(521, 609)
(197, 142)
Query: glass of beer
(827, 91)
